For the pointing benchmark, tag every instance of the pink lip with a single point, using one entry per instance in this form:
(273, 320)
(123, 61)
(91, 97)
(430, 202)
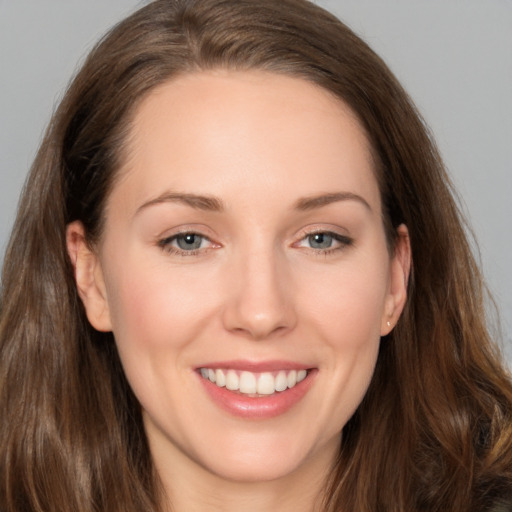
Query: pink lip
(262, 407)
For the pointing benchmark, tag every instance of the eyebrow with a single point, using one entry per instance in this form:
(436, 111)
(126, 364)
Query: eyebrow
(199, 202)
(310, 203)
(213, 204)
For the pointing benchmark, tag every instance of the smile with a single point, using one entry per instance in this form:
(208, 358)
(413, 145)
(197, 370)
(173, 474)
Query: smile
(252, 383)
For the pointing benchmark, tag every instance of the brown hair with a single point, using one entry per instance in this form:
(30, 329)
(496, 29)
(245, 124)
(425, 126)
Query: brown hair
(434, 431)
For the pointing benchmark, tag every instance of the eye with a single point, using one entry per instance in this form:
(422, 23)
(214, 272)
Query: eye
(320, 240)
(185, 243)
(189, 241)
(325, 241)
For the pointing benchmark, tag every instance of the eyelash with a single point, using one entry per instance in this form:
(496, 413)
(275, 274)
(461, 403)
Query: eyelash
(343, 241)
(166, 243)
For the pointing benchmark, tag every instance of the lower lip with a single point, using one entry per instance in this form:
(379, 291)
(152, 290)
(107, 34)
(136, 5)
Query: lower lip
(260, 407)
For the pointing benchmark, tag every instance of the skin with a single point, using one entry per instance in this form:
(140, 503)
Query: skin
(257, 289)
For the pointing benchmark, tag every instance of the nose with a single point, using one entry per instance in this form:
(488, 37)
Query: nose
(259, 304)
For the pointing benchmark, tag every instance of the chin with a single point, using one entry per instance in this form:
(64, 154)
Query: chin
(247, 470)
(267, 459)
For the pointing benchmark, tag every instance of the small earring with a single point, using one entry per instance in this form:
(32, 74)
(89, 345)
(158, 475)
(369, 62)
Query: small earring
(389, 323)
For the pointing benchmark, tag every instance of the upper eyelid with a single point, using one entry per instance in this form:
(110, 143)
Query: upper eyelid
(167, 241)
(313, 230)
(185, 230)
(183, 233)
(337, 236)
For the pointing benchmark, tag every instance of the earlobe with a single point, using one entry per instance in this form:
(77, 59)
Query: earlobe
(399, 278)
(88, 277)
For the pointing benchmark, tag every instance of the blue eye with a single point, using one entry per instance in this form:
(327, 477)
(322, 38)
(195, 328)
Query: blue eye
(320, 240)
(325, 242)
(189, 241)
(185, 243)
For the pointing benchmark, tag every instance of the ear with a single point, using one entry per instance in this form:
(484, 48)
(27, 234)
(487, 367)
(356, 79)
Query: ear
(89, 277)
(399, 277)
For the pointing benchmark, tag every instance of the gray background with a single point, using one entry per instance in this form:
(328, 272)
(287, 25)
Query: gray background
(453, 56)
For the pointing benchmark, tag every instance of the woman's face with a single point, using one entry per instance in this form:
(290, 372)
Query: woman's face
(244, 244)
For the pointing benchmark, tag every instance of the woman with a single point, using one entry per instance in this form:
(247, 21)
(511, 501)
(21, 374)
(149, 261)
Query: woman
(238, 279)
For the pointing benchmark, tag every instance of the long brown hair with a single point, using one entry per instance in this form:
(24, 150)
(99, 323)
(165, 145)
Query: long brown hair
(434, 432)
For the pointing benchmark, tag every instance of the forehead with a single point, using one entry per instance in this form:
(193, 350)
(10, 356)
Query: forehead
(213, 131)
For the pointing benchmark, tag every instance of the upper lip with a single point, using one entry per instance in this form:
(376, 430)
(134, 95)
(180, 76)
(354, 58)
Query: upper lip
(256, 366)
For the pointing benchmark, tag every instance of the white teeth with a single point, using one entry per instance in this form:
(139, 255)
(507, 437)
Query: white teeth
(220, 378)
(292, 379)
(250, 383)
(266, 384)
(247, 383)
(281, 381)
(232, 381)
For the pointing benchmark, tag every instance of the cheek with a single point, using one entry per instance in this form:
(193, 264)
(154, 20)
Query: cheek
(343, 311)
(346, 303)
(156, 315)
(154, 308)
(345, 321)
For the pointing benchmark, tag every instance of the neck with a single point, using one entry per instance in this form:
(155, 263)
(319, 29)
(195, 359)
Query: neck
(189, 487)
